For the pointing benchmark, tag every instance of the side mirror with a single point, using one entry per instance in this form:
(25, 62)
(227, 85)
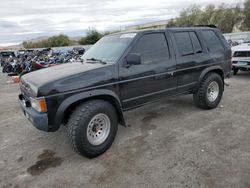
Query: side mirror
(133, 59)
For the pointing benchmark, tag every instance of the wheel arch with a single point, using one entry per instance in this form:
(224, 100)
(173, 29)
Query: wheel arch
(216, 69)
(68, 105)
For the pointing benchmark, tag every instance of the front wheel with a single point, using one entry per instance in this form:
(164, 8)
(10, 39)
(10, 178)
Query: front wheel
(209, 92)
(92, 127)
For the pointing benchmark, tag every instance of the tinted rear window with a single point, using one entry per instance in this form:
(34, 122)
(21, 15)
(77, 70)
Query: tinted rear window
(212, 40)
(183, 43)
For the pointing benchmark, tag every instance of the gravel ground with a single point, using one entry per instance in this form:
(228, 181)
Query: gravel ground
(167, 144)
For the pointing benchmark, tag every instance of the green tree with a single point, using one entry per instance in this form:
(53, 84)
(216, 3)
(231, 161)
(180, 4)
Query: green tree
(224, 17)
(246, 16)
(60, 40)
(227, 18)
(188, 17)
(91, 38)
(55, 41)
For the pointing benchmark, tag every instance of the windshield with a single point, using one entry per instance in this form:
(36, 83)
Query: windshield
(247, 40)
(109, 48)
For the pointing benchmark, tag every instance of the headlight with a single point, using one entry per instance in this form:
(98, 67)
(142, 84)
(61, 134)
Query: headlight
(38, 104)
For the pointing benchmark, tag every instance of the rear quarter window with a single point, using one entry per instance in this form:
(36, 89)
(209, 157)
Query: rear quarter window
(213, 42)
(196, 42)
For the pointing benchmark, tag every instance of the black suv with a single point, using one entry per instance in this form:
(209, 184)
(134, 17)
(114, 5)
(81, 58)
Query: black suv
(123, 71)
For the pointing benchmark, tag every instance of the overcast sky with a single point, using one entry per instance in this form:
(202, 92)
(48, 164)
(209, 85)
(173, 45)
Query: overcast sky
(26, 19)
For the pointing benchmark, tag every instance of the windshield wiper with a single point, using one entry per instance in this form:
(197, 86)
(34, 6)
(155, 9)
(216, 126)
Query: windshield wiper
(97, 60)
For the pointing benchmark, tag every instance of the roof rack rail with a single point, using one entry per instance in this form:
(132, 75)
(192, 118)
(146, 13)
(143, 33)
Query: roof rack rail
(210, 25)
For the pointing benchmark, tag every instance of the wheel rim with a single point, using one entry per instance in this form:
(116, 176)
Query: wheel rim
(213, 91)
(98, 129)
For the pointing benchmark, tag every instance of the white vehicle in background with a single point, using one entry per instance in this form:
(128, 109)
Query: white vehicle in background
(241, 56)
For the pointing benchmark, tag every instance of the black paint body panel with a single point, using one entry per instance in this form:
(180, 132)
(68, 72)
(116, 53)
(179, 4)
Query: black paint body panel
(129, 86)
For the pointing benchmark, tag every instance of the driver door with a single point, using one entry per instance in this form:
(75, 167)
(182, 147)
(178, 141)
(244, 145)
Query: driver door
(152, 78)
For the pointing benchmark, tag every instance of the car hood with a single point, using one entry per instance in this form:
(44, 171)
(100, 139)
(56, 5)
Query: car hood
(66, 77)
(242, 47)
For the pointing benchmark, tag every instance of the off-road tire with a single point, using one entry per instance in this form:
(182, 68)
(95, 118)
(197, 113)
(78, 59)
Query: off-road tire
(201, 98)
(78, 124)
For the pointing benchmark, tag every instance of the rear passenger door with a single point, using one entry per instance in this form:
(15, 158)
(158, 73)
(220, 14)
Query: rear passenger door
(186, 62)
(189, 53)
(152, 78)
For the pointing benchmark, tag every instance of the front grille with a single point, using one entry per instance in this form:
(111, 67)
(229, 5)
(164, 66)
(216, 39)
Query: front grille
(25, 100)
(25, 86)
(242, 54)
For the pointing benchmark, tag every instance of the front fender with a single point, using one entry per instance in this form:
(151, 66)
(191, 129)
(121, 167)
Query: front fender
(88, 95)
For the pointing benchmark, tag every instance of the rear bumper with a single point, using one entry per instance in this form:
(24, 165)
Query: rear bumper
(39, 120)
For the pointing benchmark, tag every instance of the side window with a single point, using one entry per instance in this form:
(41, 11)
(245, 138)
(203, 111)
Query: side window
(213, 42)
(196, 42)
(153, 48)
(184, 43)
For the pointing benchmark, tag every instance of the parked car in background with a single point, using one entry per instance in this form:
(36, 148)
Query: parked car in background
(5, 55)
(241, 56)
(123, 71)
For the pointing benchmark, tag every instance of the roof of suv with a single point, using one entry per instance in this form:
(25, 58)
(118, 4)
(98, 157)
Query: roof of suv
(161, 30)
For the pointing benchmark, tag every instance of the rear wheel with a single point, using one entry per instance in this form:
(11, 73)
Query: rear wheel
(92, 127)
(210, 91)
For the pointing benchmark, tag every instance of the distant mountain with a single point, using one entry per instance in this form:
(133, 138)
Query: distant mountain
(19, 46)
(38, 39)
(75, 36)
(13, 47)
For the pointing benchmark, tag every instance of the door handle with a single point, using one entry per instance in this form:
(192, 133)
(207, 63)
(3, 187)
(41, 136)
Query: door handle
(171, 71)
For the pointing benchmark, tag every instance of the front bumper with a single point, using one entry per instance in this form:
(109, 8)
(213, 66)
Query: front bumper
(242, 67)
(39, 120)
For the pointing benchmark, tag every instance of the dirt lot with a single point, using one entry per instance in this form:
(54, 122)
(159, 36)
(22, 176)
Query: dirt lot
(167, 144)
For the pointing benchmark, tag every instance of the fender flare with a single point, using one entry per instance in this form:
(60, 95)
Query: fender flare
(87, 95)
(209, 69)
